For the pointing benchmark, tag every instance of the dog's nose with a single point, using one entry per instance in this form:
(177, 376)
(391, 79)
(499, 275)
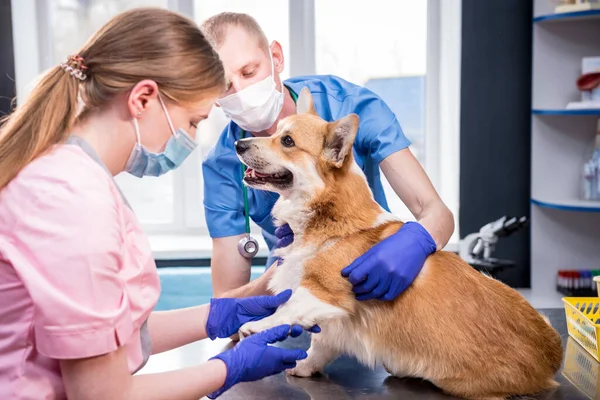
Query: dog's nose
(241, 146)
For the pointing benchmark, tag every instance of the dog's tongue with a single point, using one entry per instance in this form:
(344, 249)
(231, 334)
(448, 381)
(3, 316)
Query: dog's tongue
(252, 173)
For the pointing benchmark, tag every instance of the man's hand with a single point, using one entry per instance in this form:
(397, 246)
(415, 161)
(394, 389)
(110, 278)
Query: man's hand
(390, 267)
(285, 236)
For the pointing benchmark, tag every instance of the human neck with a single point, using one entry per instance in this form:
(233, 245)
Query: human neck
(106, 132)
(289, 108)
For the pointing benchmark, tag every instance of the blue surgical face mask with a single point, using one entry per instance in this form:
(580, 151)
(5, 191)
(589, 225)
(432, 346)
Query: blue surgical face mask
(144, 163)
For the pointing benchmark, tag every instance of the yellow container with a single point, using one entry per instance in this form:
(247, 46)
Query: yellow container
(583, 322)
(581, 370)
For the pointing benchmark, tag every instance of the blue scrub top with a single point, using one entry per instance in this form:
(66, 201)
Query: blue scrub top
(379, 135)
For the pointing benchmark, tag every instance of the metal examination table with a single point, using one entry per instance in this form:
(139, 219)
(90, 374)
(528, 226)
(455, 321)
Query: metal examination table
(346, 379)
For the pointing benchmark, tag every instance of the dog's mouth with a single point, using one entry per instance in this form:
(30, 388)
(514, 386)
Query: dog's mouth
(280, 178)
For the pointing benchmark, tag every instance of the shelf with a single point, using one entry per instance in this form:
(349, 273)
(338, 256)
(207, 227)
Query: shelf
(577, 15)
(583, 111)
(569, 205)
(565, 231)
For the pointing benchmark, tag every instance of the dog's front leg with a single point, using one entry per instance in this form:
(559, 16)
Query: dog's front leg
(303, 308)
(319, 355)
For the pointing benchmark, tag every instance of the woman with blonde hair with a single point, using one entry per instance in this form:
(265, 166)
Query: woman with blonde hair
(78, 282)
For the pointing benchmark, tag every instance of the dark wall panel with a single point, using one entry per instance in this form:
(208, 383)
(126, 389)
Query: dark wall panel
(7, 59)
(495, 123)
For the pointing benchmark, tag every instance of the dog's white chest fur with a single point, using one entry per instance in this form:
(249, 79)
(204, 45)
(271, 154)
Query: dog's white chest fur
(288, 274)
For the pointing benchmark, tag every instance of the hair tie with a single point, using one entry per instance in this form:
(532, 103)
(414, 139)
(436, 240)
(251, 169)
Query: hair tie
(76, 70)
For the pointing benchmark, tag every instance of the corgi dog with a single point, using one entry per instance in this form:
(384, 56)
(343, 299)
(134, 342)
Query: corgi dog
(470, 335)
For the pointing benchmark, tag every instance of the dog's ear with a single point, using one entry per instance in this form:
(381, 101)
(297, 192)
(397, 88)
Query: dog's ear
(304, 104)
(339, 140)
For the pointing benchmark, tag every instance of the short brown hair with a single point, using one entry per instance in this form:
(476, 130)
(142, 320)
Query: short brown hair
(144, 43)
(215, 28)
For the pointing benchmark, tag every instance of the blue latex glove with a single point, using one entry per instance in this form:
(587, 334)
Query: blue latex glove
(391, 266)
(226, 316)
(254, 359)
(285, 236)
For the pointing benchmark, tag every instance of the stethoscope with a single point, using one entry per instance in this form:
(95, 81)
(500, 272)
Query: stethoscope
(247, 246)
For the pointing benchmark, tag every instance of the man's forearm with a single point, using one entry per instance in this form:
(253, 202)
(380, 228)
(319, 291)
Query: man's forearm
(438, 220)
(257, 287)
(410, 182)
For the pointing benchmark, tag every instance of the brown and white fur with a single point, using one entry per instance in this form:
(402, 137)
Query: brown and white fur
(470, 335)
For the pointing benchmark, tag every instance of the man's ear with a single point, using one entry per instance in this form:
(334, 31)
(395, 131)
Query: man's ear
(339, 140)
(304, 104)
(277, 54)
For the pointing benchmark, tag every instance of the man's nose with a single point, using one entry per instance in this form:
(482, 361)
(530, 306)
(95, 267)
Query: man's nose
(234, 85)
(242, 145)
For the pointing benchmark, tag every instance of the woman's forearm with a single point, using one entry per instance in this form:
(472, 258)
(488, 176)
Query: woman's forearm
(190, 383)
(175, 328)
(108, 377)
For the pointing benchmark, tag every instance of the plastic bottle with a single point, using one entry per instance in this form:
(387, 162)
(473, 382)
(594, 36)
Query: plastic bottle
(591, 171)
(587, 280)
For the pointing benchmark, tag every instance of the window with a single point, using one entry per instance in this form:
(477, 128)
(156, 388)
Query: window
(406, 51)
(74, 21)
(387, 55)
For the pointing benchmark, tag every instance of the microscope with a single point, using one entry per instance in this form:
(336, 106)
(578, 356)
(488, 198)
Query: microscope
(477, 248)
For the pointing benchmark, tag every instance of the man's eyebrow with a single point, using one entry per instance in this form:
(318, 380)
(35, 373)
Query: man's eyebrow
(250, 64)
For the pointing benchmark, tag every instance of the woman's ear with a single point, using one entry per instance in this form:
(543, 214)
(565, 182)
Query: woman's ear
(140, 95)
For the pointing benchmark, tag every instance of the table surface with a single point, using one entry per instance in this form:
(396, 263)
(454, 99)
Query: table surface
(347, 379)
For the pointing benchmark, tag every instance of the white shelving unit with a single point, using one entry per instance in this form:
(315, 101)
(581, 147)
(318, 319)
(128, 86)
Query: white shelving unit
(565, 230)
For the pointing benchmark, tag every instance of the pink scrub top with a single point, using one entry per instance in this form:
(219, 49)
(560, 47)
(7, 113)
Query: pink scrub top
(77, 276)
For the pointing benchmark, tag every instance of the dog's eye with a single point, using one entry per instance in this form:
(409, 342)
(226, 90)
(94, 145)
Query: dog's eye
(287, 141)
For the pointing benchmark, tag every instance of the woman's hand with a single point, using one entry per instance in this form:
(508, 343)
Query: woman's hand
(227, 315)
(254, 359)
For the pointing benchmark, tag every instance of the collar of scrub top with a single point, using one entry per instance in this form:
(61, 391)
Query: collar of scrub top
(248, 246)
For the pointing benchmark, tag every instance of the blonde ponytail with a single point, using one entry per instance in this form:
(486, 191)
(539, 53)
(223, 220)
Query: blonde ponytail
(42, 121)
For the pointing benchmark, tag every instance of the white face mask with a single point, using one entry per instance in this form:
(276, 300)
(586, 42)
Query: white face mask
(256, 107)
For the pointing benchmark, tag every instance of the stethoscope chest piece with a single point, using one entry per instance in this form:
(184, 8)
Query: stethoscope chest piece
(248, 246)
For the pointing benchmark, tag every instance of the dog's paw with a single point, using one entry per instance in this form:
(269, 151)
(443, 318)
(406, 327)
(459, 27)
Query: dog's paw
(304, 369)
(250, 328)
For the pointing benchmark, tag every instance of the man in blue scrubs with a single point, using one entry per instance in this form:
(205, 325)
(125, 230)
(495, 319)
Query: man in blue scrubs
(256, 99)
